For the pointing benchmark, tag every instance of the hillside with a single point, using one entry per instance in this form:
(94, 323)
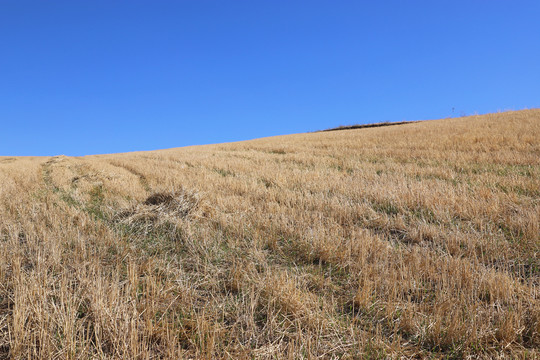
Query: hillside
(412, 240)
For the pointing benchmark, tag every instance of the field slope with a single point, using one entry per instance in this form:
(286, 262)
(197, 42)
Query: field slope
(415, 240)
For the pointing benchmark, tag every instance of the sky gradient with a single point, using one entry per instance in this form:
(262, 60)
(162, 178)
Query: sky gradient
(92, 77)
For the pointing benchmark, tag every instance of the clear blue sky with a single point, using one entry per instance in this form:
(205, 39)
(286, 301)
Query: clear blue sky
(88, 77)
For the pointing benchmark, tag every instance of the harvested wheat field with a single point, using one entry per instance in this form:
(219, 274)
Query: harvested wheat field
(408, 241)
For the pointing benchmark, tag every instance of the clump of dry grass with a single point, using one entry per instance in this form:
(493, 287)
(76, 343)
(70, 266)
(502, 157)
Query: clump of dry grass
(409, 241)
(160, 208)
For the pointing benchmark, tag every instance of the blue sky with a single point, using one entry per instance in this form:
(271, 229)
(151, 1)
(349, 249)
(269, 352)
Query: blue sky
(89, 77)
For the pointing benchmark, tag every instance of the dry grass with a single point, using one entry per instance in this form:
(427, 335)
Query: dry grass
(417, 240)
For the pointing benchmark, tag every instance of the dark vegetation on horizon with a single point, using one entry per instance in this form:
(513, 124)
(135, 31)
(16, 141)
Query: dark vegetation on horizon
(363, 126)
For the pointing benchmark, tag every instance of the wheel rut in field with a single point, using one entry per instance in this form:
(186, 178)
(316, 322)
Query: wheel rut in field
(47, 169)
(142, 178)
(71, 179)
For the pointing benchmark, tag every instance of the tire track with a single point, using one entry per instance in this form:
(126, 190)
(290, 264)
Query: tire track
(142, 178)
